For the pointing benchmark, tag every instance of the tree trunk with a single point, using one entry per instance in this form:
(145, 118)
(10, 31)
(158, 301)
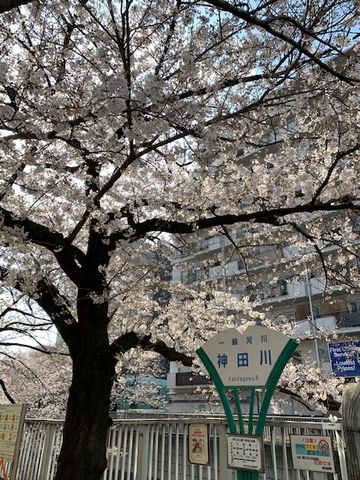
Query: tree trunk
(351, 424)
(83, 452)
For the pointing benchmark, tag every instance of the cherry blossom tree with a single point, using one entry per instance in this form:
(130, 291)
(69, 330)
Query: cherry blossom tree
(41, 381)
(124, 124)
(22, 325)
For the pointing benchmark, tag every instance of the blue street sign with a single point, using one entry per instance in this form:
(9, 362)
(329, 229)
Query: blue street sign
(345, 358)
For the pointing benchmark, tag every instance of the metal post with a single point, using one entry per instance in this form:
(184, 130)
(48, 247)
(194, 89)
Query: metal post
(224, 278)
(224, 472)
(313, 319)
(45, 462)
(143, 458)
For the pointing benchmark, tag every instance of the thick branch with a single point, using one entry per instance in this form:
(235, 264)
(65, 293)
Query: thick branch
(6, 393)
(53, 303)
(330, 403)
(272, 216)
(6, 5)
(57, 307)
(131, 340)
(70, 258)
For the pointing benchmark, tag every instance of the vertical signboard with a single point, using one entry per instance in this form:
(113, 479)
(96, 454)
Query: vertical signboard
(12, 419)
(345, 358)
(312, 452)
(198, 444)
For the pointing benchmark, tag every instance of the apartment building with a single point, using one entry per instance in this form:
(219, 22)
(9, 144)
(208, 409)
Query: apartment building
(268, 275)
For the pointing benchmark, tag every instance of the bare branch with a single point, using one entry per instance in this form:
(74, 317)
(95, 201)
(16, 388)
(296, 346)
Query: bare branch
(6, 393)
(265, 25)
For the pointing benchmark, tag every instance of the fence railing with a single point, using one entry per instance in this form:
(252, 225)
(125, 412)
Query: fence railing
(156, 449)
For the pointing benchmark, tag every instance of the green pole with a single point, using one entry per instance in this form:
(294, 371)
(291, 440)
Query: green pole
(238, 408)
(251, 410)
(240, 475)
(272, 382)
(219, 387)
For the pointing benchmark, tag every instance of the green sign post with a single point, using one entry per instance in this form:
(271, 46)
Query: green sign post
(248, 362)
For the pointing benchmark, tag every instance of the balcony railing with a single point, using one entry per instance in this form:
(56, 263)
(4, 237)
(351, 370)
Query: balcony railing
(184, 379)
(348, 319)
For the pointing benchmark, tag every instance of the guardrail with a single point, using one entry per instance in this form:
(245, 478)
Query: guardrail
(156, 449)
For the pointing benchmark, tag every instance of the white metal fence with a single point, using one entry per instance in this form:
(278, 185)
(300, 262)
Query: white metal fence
(156, 449)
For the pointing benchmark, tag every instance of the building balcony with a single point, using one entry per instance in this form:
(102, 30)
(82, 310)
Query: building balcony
(348, 319)
(305, 328)
(185, 379)
(343, 322)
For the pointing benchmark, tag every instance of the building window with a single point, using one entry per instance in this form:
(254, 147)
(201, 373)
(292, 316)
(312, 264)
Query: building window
(282, 287)
(240, 264)
(195, 274)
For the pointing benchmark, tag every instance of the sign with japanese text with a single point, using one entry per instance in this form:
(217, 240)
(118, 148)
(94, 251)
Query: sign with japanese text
(198, 443)
(245, 452)
(247, 359)
(345, 358)
(11, 424)
(312, 452)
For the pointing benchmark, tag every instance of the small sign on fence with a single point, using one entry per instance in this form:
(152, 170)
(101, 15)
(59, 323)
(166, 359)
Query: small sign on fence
(198, 442)
(12, 419)
(245, 452)
(312, 452)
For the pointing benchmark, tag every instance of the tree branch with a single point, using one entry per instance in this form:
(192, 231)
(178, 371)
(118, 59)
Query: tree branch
(131, 340)
(330, 403)
(271, 216)
(6, 393)
(332, 167)
(54, 304)
(70, 258)
(264, 25)
(6, 5)
(24, 345)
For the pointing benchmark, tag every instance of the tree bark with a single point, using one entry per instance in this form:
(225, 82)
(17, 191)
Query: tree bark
(6, 5)
(351, 424)
(83, 452)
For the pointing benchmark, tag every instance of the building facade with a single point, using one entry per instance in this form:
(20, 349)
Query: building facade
(269, 276)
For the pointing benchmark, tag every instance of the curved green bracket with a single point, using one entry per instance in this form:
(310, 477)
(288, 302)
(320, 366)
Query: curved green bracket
(251, 410)
(238, 407)
(219, 387)
(272, 382)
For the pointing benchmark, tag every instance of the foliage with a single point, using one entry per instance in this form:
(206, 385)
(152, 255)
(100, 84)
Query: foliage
(41, 381)
(126, 124)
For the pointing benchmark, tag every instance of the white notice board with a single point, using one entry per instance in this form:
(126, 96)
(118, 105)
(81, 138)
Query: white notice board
(245, 452)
